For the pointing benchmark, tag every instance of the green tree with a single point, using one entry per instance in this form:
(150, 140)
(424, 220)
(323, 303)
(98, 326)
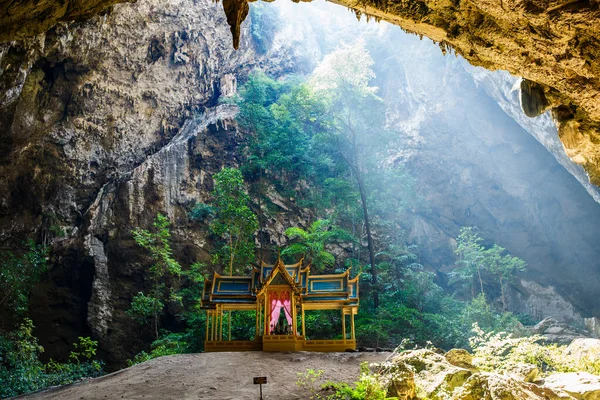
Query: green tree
(503, 266)
(471, 256)
(342, 79)
(18, 275)
(234, 220)
(164, 268)
(311, 243)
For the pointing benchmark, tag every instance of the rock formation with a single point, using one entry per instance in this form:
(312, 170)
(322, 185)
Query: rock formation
(553, 44)
(420, 374)
(105, 122)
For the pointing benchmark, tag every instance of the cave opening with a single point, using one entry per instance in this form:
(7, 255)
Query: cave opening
(450, 162)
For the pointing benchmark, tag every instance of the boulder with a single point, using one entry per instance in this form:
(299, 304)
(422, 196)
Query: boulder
(523, 372)
(434, 375)
(544, 324)
(584, 349)
(460, 358)
(488, 386)
(593, 326)
(399, 378)
(580, 385)
(553, 331)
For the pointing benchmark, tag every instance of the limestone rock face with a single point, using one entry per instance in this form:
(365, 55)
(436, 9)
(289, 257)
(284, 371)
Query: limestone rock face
(104, 123)
(550, 43)
(593, 327)
(22, 19)
(399, 378)
(523, 372)
(553, 44)
(433, 373)
(554, 331)
(485, 386)
(579, 385)
(460, 358)
(588, 349)
(481, 168)
(533, 99)
(436, 378)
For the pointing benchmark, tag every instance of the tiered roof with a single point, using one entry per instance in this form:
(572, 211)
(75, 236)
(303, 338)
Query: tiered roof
(244, 289)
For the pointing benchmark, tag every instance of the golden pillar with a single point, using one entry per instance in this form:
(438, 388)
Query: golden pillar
(220, 316)
(352, 324)
(267, 311)
(207, 324)
(229, 322)
(214, 325)
(303, 321)
(293, 310)
(344, 325)
(257, 315)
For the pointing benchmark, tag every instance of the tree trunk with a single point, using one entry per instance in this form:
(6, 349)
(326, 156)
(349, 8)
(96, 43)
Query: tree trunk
(363, 199)
(230, 256)
(260, 216)
(156, 324)
(502, 293)
(480, 280)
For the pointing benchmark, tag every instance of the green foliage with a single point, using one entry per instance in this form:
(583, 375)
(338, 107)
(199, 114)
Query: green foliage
(502, 351)
(323, 324)
(190, 338)
(18, 275)
(480, 312)
(201, 212)
(416, 308)
(311, 243)
(476, 263)
(286, 119)
(157, 243)
(235, 222)
(470, 259)
(310, 381)
(170, 343)
(368, 386)
(144, 307)
(324, 145)
(165, 267)
(503, 266)
(22, 372)
(85, 348)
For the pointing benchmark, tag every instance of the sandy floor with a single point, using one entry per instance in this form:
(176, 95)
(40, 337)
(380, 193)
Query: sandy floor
(215, 376)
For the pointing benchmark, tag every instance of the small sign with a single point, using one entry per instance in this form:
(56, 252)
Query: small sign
(260, 380)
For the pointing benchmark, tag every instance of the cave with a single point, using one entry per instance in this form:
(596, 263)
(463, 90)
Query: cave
(112, 113)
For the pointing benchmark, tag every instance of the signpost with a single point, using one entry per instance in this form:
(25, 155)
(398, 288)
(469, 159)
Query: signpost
(260, 380)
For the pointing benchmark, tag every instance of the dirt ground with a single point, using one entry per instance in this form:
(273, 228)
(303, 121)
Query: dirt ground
(219, 376)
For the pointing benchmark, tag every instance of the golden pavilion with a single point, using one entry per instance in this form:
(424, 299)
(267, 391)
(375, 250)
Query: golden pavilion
(271, 291)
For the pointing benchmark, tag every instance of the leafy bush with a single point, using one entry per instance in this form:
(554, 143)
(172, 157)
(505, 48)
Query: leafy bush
(169, 344)
(18, 274)
(21, 371)
(201, 212)
(500, 351)
(368, 386)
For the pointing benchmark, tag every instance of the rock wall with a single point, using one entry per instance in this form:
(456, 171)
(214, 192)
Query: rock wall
(104, 123)
(477, 166)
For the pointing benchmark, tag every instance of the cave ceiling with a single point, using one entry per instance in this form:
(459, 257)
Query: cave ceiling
(553, 45)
